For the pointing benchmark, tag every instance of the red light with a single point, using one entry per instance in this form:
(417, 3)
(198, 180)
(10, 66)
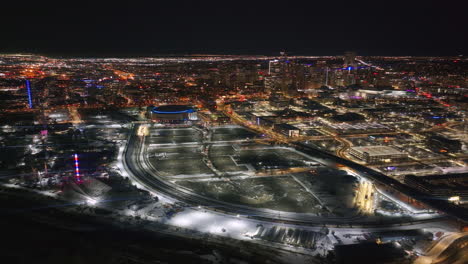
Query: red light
(77, 169)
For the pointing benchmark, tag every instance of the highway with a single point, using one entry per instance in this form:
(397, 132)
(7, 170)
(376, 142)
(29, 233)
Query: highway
(140, 170)
(438, 247)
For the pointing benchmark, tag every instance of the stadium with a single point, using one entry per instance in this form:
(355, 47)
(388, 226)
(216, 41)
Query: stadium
(173, 113)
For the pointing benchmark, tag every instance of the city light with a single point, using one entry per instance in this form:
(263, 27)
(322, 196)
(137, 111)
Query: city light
(77, 169)
(91, 201)
(28, 87)
(454, 199)
(296, 152)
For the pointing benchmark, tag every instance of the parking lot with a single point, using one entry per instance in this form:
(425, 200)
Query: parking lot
(277, 193)
(231, 134)
(180, 160)
(174, 136)
(250, 173)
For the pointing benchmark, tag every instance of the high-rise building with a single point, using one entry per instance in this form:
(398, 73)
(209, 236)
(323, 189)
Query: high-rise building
(349, 60)
(286, 76)
(274, 68)
(350, 65)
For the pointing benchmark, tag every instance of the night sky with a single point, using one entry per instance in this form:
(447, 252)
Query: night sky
(380, 27)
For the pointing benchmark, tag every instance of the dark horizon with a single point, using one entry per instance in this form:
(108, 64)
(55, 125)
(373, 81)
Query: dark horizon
(182, 54)
(399, 28)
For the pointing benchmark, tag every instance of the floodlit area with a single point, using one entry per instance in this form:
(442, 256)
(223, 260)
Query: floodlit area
(234, 165)
(280, 193)
(173, 136)
(234, 159)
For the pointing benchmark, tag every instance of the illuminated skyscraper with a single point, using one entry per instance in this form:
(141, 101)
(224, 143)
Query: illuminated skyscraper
(274, 67)
(349, 60)
(285, 76)
(350, 65)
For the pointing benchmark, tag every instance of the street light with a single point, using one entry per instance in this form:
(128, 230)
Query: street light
(91, 201)
(454, 199)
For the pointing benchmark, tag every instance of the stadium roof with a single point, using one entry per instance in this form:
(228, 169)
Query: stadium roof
(173, 109)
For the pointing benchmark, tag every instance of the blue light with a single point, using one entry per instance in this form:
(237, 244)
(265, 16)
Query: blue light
(28, 87)
(77, 169)
(175, 112)
(436, 117)
(349, 68)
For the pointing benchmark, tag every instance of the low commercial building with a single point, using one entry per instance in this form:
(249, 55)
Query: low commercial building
(378, 154)
(279, 101)
(214, 118)
(441, 186)
(356, 128)
(442, 144)
(287, 130)
(266, 121)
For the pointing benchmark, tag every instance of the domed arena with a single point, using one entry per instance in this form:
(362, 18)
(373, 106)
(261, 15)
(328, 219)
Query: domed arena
(173, 113)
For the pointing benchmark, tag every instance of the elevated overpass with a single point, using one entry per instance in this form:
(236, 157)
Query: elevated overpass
(438, 247)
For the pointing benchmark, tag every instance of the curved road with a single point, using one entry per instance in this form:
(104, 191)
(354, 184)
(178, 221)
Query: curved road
(140, 170)
(439, 247)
